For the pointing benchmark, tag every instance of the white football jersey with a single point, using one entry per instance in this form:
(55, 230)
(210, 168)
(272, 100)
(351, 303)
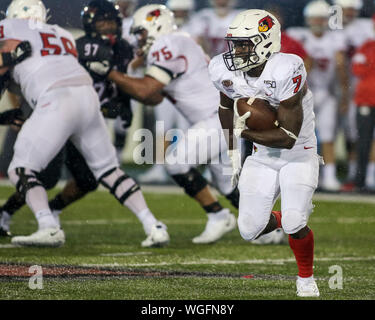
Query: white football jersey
(126, 26)
(191, 89)
(322, 50)
(53, 62)
(213, 28)
(283, 76)
(357, 33)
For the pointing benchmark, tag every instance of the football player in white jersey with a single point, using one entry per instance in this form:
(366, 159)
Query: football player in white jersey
(329, 69)
(286, 162)
(177, 66)
(66, 106)
(209, 24)
(356, 32)
(127, 8)
(182, 10)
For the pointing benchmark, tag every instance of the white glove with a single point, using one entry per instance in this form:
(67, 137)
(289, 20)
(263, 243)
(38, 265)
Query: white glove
(99, 68)
(239, 121)
(235, 158)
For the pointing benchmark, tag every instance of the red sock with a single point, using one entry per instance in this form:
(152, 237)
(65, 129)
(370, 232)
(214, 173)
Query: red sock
(303, 250)
(277, 215)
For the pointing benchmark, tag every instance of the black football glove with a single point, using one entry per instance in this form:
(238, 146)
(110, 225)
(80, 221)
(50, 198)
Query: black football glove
(9, 117)
(126, 116)
(116, 107)
(22, 51)
(111, 109)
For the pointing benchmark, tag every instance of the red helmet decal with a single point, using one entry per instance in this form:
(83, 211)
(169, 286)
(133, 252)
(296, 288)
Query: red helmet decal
(153, 14)
(265, 24)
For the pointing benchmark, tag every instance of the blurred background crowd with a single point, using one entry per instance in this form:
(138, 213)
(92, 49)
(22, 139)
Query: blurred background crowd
(336, 40)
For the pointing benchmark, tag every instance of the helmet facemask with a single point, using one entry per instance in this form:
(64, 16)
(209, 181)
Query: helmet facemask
(144, 41)
(243, 54)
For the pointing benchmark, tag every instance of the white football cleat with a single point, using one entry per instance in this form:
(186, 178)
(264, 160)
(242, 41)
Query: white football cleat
(307, 287)
(158, 236)
(276, 236)
(216, 228)
(331, 185)
(49, 237)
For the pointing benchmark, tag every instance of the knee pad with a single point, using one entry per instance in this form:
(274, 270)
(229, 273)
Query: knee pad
(249, 228)
(292, 220)
(234, 197)
(24, 179)
(119, 184)
(192, 182)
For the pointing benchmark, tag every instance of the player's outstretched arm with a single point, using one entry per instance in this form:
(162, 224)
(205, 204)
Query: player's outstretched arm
(147, 89)
(289, 117)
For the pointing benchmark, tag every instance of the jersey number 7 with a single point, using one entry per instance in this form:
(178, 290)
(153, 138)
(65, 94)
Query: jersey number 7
(56, 49)
(297, 80)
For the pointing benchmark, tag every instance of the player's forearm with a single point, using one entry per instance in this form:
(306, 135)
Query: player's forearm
(135, 87)
(275, 138)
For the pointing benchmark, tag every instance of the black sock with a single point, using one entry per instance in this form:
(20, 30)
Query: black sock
(57, 203)
(213, 207)
(15, 202)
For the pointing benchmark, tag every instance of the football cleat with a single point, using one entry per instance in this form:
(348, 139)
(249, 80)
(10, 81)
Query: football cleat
(158, 236)
(49, 237)
(4, 233)
(307, 287)
(216, 228)
(276, 236)
(331, 185)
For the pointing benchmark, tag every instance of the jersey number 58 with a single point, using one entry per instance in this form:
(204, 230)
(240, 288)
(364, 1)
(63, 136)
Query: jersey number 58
(56, 48)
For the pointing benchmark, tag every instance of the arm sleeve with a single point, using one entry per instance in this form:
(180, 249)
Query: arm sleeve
(164, 63)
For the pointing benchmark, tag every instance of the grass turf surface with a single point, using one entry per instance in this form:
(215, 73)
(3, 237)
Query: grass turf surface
(101, 233)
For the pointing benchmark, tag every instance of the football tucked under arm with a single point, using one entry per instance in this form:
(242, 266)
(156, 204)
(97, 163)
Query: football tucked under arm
(275, 129)
(262, 115)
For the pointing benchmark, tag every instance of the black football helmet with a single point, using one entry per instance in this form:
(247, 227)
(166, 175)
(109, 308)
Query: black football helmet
(99, 10)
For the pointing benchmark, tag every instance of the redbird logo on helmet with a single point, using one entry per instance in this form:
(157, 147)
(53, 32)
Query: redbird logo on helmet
(265, 24)
(152, 15)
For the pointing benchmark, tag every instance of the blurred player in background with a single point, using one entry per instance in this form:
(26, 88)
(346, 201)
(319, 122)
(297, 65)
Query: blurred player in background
(126, 8)
(182, 10)
(208, 25)
(67, 107)
(356, 32)
(285, 162)
(177, 67)
(165, 111)
(329, 69)
(364, 70)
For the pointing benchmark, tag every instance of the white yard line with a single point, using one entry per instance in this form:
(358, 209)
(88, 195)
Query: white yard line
(171, 189)
(126, 254)
(226, 262)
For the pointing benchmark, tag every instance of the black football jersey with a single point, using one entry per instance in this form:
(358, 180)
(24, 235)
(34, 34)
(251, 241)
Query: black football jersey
(92, 49)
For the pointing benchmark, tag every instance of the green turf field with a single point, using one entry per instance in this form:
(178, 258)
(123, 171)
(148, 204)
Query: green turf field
(102, 234)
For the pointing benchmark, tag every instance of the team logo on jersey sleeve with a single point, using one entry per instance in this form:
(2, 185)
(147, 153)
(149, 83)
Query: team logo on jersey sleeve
(265, 24)
(228, 85)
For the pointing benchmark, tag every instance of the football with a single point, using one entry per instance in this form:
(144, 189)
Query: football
(263, 116)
